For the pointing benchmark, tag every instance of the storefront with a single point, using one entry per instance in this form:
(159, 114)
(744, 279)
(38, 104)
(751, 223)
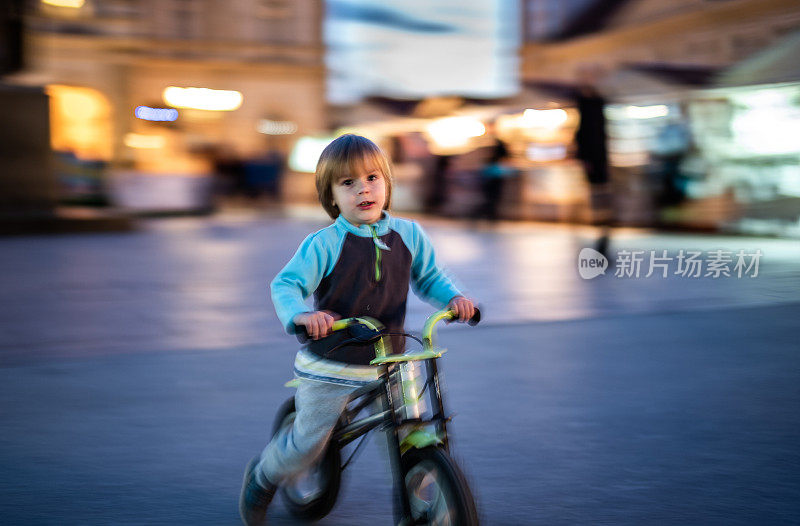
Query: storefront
(747, 137)
(747, 129)
(81, 136)
(720, 158)
(440, 159)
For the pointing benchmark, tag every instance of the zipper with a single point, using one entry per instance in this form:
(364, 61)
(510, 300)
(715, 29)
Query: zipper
(379, 245)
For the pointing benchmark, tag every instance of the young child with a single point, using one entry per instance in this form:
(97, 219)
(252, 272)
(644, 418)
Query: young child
(361, 265)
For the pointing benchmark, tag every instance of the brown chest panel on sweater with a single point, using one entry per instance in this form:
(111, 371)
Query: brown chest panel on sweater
(353, 290)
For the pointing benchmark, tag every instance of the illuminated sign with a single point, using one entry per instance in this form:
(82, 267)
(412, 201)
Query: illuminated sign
(76, 4)
(203, 98)
(156, 114)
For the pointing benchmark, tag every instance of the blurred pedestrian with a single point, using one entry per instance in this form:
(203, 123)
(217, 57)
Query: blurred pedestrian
(592, 151)
(361, 265)
(263, 174)
(671, 144)
(228, 170)
(437, 184)
(494, 175)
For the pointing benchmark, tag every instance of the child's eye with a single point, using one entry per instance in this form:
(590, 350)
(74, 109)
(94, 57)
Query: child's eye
(372, 177)
(346, 182)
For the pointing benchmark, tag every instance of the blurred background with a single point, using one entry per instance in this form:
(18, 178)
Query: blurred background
(117, 108)
(171, 144)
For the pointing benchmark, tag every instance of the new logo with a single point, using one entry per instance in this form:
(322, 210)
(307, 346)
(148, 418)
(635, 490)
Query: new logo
(591, 263)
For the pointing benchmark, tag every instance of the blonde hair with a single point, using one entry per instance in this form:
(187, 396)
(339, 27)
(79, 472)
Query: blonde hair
(345, 155)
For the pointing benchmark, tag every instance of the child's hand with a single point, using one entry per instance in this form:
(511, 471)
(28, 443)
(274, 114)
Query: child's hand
(318, 323)
(463, 308)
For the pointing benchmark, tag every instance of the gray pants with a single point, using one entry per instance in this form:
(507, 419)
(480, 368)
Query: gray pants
(295, 448)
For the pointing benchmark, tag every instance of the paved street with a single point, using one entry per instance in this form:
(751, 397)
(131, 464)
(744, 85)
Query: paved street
(139, 372)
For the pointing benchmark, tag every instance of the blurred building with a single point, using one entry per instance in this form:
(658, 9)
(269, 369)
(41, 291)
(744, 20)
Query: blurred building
(621, 33)
(148, 98)
(148, 92)
(720, 70)
(658, 65)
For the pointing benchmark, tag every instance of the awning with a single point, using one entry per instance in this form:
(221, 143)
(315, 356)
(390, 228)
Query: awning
(774, 65)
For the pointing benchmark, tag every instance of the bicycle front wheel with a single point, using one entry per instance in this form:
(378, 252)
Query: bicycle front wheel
(437, 490)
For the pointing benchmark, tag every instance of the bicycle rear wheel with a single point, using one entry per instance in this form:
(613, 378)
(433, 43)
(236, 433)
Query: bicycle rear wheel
(312, 495)
(437, 490)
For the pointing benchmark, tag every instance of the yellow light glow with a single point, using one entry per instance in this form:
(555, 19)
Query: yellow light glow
(80, 121)
(75, 4)
(544, 118)
(150, 142)
(203, 98)
(452, 132)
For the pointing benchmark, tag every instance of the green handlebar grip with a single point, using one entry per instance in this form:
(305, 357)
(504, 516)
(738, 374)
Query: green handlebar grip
(341, 324)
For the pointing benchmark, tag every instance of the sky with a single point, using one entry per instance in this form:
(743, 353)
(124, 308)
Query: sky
(409, 49)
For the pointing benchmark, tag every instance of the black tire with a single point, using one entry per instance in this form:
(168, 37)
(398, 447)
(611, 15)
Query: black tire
(437, 489)
(315, 503)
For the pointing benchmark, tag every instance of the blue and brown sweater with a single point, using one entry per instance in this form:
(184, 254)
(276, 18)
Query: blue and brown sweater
(360, 271)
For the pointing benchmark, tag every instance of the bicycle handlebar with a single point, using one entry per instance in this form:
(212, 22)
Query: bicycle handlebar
(302, 333)
(447, 315)
(427, 332)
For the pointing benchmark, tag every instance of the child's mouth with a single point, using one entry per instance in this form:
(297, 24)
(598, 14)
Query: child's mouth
(365, 205)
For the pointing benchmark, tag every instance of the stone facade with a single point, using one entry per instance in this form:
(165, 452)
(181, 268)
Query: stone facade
(129, 51)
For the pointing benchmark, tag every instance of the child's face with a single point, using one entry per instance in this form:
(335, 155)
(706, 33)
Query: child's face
(360, 196)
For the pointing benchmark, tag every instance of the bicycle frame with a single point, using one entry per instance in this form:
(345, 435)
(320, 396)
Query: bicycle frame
(385, 388)
(389, 388)
(390, 415)
(391, 420)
